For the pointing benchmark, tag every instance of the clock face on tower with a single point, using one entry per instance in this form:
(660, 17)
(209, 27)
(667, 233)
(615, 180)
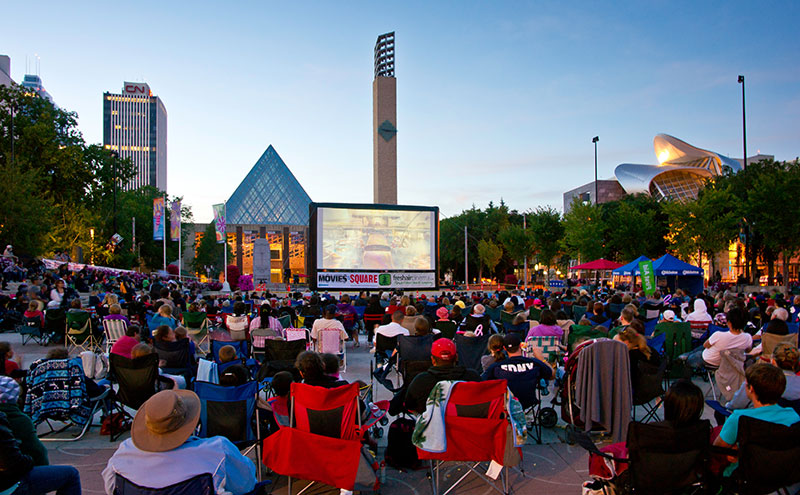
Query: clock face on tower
(387, 130)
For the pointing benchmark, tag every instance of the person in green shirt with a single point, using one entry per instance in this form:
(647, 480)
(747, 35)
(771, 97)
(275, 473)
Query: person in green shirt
(765, 385)
(21, 425)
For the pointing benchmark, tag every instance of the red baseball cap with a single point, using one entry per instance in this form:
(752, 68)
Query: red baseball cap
(444, 349)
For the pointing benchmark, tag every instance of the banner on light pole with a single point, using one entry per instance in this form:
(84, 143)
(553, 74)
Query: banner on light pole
(648, 277)
(175, 221)
(158, 219)
(219, 222)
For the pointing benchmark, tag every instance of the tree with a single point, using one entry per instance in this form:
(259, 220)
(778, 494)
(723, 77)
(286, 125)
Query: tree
(772, 209)
(583, 232)
(25, 214)
(547, 231)
(208, 253)
(703, 227)
(517, 242)
(489, 253)
(635, 225)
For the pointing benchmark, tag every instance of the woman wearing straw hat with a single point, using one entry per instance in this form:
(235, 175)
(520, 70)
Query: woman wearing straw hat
(163, 451)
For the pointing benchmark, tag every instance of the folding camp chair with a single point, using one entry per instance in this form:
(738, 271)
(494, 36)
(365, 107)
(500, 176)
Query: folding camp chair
(493, 314)
(79, 332)
(769, 454)
(550, 345)
(577, 312)
(329, 341)
(470, 350)
(649, 388)
(534, 314)
(31, 329)
(677, 341)
(137, 379)
(413, 355)
(113, 330)
(285, 321)
(259, 336)
(202, 484)
(325, 424)
(476, 425)
(55, 322)
(229, 412)
(580, 333)
(57, 392)
(506, 318)
(196, 324)
(280, 355)
(448, 328)
(242, 348)
(769, 341)
(296, 334)
(662, 459)
(177, 358)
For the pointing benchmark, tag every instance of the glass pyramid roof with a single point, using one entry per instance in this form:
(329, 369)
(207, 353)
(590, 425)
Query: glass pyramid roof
(270, 194)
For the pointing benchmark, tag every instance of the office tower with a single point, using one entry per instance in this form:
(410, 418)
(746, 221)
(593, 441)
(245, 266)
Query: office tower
(135, 127)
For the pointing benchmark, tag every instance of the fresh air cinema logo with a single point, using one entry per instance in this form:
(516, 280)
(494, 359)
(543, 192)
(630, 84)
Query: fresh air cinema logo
(374, 280)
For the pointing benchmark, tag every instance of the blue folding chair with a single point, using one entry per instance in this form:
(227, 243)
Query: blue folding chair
(650, 327)
(657, 342)
(229, 412)
(202, 484)
(793, 327)
(241, 346)
(242, 352)
(606, 324)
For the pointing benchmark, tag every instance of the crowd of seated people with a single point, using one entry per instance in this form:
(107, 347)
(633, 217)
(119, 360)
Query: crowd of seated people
(159, 306)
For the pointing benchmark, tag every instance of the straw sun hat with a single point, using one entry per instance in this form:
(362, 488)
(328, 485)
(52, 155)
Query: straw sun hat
(166, 420)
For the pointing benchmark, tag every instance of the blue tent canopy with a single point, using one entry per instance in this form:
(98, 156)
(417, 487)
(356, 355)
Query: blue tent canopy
(630, 268)
(670, 265)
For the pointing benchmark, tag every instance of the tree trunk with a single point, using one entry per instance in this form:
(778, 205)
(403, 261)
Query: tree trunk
(786, 273)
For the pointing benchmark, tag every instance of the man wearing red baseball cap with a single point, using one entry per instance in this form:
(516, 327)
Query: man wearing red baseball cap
(444, 358)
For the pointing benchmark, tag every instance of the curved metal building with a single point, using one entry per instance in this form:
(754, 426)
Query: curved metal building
(680, 173)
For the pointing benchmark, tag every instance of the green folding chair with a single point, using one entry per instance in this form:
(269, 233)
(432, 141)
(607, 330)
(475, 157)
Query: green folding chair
(579, 333)
(448, 328)
(534, 314)
(677, 341)
(79, 332)
(196, 324)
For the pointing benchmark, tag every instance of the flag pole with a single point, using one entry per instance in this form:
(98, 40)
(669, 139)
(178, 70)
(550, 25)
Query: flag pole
(225, 285)
(164, 230)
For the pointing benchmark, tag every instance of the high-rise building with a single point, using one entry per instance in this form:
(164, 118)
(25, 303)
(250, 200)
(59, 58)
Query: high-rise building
(135, 127)
(34, 83)
(5, 71)
(384, 122)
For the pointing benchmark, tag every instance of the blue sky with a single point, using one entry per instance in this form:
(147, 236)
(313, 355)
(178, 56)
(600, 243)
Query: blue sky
(494, 99)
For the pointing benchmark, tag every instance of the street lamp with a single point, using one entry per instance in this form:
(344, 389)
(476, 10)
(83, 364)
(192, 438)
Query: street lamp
(744, 127)
(596, 198)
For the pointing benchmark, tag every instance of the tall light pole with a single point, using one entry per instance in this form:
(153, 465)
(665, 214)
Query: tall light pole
(744, 127)
(596, 198)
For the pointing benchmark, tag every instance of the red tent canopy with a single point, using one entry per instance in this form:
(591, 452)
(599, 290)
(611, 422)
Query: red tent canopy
(601, 264)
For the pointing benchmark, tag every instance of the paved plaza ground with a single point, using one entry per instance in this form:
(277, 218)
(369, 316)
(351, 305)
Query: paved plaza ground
(554, 467)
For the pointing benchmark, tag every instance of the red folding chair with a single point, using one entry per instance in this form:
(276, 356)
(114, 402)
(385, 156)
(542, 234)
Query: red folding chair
(323, 441)
(476, 429)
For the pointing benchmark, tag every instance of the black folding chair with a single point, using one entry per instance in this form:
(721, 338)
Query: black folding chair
(138, 379)
(384, 347)
(663, 460)
(31, 329)
(769, 456)
(280, 355)
(649, 391)
(177, 357)
(470, 350)
(448, 328)
(413, 355)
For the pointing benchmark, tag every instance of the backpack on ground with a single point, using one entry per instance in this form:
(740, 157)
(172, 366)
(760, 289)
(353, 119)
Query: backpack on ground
(400, 452)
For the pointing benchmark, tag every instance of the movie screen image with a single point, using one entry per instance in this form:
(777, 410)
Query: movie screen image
(375, 239)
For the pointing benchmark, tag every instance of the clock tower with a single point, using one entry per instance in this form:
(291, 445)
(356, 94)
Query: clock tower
(384, 123)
